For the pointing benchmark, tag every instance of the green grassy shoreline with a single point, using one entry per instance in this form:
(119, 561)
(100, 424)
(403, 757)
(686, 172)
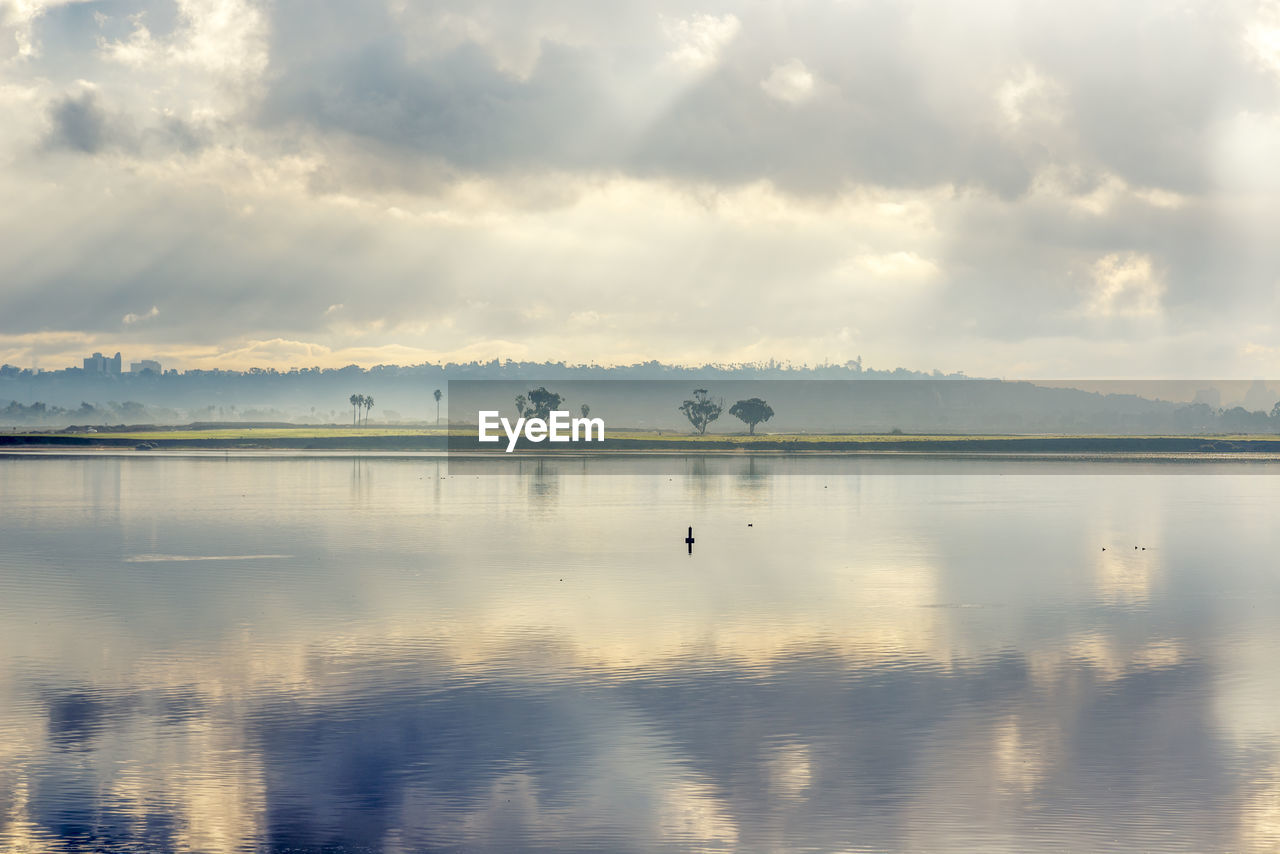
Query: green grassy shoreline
(439, 439)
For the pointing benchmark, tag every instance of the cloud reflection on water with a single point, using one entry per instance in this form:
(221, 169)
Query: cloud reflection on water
(868, 667)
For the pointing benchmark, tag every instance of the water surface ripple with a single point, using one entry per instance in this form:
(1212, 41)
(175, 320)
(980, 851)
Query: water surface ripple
(268, 654)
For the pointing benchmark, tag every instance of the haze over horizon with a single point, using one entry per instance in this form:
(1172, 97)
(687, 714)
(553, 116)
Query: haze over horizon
(1006, 189)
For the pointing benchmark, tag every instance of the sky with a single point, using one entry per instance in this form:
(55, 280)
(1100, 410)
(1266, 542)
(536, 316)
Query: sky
(1030, 189)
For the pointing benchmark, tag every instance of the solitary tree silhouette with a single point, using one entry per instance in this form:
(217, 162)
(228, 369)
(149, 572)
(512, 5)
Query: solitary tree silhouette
(538, 404)
(368, 404)
(585, 410)
(436, 395)
(751, 412)
(357, 401)
(702, 410)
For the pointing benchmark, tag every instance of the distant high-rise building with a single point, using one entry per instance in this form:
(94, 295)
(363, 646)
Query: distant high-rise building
(145, 365)
(100, 364)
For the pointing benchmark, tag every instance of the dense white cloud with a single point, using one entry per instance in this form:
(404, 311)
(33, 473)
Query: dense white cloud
(131, 317)
(1070, 191)
(699, 40)
(1125, 284)
(790, 82)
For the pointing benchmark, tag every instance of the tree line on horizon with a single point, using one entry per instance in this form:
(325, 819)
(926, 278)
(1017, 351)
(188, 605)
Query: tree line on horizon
(918, 407)
(701, 409)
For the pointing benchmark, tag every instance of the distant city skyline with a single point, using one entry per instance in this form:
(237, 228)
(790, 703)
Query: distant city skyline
(1003, 189)
(99, 364)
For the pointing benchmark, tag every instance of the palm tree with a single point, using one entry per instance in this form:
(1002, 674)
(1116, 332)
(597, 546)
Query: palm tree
(357, 401)
(436, 395)
(368, 404)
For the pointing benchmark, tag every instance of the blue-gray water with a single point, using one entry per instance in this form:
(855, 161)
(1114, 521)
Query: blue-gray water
(211, 653)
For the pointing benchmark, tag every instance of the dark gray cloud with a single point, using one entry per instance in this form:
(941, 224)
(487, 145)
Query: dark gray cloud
(458, 107)
(343, 67)
(899, 97)
(79, 123)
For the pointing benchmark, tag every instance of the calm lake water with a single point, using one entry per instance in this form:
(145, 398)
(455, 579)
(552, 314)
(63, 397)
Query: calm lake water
(272, 653)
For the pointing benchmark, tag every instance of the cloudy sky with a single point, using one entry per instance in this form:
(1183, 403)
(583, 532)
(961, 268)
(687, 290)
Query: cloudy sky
(1036, 189)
